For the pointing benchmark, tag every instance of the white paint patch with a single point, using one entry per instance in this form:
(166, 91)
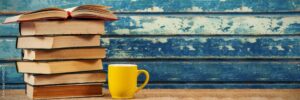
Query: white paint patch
(203, 40)
(229, 47)
(155, 40)
(194, 9)
(251, 40)
(159, 49)
(270, 47)
(122, 31)
(279, 47)
(190, 47)
(105, 41)
(220, 47)
(241, 9)
(152, 9)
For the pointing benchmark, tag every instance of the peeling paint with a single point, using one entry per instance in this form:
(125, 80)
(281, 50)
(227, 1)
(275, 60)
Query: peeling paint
(241, 9)
(194, 8)
(229, 47)
(190, 47)
(167, 25)
(152, 9)
(279, 47)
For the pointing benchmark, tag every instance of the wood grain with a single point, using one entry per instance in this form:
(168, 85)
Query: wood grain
(189, 94)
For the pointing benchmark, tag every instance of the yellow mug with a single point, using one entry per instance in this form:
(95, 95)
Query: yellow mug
(122, 80)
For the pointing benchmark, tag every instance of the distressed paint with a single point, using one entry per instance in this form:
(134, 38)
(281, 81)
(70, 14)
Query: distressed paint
(8, 49)
(204, 25)
(198, 47)
(204, 71)
(8, 29)
(162, 5)
(192, 25)
(186, 47)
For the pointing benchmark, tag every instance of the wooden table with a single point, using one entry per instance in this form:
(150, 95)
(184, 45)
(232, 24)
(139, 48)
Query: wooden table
(188, 94)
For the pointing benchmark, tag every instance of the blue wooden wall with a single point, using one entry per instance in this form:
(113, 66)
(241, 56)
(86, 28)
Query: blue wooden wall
(186, 43)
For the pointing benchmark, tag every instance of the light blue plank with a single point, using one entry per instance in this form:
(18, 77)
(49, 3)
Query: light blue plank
(201, 86)
(8, 29)
(205, 71)
(11, 74)
(8, 50)
(192, 25)
(199, 47)
(161, 5)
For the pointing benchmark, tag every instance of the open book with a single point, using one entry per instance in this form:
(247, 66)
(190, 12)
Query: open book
(81, 12)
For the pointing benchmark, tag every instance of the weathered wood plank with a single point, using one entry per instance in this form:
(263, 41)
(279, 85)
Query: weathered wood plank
(192, 25)
(8, 29)
(205, 25)
(201, 86)
(203, 71)
(186, 47)
(162, 5)
(202, 47)
(8, 50)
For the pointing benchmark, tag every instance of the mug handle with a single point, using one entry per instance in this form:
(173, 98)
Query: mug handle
(146, 80)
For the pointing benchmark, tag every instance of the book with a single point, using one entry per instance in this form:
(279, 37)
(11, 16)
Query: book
(67, 53)
(79, 12)
(50, 42)
(62, 27)
(82, 77)
(64, 91)
(53, 67)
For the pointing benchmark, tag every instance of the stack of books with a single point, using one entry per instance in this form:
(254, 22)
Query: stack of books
(62, 56)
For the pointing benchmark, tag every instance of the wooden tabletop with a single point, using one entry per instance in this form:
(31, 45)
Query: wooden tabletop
(187, 94)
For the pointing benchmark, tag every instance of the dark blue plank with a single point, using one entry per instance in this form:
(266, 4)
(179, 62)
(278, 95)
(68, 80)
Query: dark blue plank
(161, 5)
(195, 47)
(192, 25)
(200, 86)
(186, 47)
(206, 71)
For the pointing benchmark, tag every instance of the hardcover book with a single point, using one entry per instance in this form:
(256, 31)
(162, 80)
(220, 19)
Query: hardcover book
(62, 27)
(60, 54)
(53, 67)
(64, 91)
(65, 78)
(79, 12)
(50, 42)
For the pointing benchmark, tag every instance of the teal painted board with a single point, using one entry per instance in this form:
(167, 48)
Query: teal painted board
(213, 71)
(8, 50)
(192, 25)
(200, 86)
(161, 5)
(205, 25)
(11, 74)
(200, 47)
(8, 29)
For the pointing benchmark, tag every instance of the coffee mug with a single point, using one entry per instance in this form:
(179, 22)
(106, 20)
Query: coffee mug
(122, 80)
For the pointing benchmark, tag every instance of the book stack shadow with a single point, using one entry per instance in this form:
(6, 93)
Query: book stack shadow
(62, 58)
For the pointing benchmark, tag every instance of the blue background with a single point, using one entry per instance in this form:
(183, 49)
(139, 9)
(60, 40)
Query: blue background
(186, 43)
